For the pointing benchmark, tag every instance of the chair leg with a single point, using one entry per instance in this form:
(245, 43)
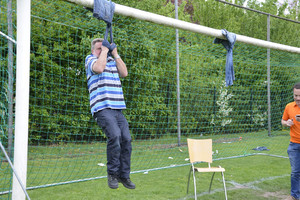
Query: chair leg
(194, 183)
(188, 184)
(224, 185)
(211, 180)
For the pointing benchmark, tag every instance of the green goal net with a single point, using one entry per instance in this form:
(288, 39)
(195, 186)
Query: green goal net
(65, 143)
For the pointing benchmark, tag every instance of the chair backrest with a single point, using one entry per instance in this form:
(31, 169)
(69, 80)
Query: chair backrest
(200, 150)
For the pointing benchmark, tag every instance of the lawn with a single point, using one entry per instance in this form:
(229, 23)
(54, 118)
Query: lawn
(250, 178)
(160, 170)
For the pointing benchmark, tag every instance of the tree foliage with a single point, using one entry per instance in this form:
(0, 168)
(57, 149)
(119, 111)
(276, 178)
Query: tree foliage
(60, 39)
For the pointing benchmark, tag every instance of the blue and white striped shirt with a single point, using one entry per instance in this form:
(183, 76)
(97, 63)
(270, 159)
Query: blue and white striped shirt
(105, 88)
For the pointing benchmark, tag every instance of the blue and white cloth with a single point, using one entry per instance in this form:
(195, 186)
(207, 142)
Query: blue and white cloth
(228, 44)
(104, 10)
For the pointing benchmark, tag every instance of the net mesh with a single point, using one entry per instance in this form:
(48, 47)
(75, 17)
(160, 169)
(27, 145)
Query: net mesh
(65, 143)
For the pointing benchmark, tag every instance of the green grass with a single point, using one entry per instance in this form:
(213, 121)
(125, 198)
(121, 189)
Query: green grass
(249, 177)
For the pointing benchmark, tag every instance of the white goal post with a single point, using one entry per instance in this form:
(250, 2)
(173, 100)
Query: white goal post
(179, 24)
(22, 99)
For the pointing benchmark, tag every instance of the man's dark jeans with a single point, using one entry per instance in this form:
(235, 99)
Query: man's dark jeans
(116, 129)
(294, 156)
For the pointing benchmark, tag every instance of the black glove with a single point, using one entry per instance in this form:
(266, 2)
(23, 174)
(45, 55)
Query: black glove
(112, 47)
(106, 44)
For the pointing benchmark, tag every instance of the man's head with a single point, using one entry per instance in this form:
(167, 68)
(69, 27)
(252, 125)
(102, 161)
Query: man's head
(96, 46)
(296, 90)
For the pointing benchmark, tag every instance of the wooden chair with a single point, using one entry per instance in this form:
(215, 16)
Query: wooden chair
(200, 150)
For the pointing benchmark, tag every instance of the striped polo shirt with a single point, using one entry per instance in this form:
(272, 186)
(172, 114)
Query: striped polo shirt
(105, 88)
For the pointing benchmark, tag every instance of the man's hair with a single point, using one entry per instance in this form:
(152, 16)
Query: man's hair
(297, 86)
(95, 41)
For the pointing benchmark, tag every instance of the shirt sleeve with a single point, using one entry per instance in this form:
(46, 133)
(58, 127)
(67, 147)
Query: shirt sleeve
(89, 61)
(285, 115)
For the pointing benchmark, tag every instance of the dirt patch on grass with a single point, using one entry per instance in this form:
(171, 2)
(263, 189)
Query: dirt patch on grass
(277, 195)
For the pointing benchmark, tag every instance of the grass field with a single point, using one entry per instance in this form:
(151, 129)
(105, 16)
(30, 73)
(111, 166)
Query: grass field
(247, 177)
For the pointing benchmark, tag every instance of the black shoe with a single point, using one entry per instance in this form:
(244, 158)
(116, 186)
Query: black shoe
(112, 181)
(127, 183)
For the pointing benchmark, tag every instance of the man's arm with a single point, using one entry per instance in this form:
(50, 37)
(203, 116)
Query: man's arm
(287, 123)
(122, 69)
(100, 64)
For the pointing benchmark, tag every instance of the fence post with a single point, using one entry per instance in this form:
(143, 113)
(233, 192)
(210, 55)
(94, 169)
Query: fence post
(178, 77)
(214, 107)
(269, 79)
(251, 109)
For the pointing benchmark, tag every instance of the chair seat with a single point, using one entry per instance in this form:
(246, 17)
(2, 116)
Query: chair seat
(210, 169)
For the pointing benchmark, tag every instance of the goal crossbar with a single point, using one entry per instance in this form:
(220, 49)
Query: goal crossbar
(179, 24)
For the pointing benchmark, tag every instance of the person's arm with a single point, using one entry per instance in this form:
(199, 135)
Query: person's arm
(287, 123)
(100, 64)
(121, 66)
